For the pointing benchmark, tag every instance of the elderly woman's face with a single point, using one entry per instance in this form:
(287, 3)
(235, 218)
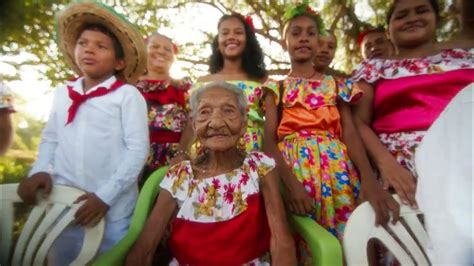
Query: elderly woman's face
(218, 123)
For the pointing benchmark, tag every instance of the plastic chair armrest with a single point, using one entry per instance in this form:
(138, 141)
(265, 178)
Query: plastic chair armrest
(325, 248)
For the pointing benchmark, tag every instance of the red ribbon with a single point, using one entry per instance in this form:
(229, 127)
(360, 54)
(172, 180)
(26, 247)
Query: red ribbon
(78, 99)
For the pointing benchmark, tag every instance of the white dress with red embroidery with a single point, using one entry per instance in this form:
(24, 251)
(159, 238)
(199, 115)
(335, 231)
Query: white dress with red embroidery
(221, 219)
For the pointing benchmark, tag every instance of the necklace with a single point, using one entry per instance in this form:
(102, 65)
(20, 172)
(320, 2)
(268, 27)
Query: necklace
(312, 74)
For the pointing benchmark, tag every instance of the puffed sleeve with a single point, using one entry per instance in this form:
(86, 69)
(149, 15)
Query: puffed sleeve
(347, 90)
(176, 180)
(273, 86)
(261, 163)
(368, 70)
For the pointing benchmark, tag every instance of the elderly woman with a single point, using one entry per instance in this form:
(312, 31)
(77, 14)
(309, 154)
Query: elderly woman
(220, 216)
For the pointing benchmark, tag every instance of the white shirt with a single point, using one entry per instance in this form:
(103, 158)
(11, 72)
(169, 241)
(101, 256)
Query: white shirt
(102, 150)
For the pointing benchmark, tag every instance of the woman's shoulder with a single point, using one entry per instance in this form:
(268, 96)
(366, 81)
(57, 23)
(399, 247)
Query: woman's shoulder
(441, 60)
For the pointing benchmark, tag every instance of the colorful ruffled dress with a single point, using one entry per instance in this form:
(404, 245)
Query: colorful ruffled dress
(167, 116)
(221, 220)
(253, 138)
(310, 141)
(409, 94)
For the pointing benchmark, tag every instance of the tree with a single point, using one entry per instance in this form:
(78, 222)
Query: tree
(28, 26)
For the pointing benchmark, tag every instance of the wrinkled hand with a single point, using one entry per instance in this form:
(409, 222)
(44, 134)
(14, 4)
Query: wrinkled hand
(283, 251)
(396, 176)
(137, 256)
(298, 200)
(381, 201)
(29, 187)
(90, 213)
(178, 158)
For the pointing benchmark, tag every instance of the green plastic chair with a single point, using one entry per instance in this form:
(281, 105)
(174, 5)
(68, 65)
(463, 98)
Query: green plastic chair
(325, 248)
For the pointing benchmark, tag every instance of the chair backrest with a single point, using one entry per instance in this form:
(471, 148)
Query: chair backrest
(406, 240)
(44, 224)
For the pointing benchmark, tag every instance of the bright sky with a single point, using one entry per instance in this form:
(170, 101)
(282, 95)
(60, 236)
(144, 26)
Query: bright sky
(186, 27)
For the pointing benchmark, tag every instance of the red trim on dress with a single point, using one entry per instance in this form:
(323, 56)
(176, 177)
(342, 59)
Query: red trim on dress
(231, 242)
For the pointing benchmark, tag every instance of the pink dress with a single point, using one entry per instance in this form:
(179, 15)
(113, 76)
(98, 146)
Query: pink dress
(411, 93)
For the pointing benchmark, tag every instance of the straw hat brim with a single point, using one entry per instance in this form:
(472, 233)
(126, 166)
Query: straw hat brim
(76, 15)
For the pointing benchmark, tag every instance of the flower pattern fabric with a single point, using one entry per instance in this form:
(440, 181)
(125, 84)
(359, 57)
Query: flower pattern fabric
(402, 146)
(318, 157)
(217, 198)
(451, 59)
(167, 113)
(410, 94)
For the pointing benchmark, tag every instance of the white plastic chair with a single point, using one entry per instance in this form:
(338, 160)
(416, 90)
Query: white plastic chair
(406, 241)
(44, 224)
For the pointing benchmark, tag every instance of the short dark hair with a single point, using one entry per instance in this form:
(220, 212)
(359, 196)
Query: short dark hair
(433, 3)
(252, 57)
(119, 54)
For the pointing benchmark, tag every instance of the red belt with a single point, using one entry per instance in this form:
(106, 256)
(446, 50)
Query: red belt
(164, 136)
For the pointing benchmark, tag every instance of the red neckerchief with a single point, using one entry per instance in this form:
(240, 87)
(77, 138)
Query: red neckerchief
(78, 99)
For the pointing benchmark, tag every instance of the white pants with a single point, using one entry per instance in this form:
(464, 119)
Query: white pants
(444, 164)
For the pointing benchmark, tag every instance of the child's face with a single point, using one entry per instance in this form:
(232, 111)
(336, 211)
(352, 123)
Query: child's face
(218, 122)
(325, 51)
(413, 22)
(160, 53)
(231, 38)
(301, 39)
(376, 45)
(95, 55)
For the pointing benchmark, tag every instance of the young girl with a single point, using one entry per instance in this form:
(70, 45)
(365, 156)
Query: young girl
(166, 100)
(227, 205)
(315, 127)
(238, 59)
(405, 94)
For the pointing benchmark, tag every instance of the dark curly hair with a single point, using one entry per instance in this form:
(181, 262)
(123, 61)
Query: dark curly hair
(433, 3)
(252, 57)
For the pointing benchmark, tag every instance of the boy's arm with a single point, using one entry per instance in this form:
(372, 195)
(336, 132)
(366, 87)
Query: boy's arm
(135, 137)
(39, 177)
(142, 251)
(297, 198)
(282, 246)
(49, 140)
(382, 202)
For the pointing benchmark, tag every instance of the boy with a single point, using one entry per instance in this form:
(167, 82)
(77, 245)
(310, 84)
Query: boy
(96, 138)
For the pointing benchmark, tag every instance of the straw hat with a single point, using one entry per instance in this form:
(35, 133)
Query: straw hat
(76, 15)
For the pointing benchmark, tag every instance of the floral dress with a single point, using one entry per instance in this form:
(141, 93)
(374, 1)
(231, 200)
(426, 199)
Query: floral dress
(253, 137)
(167, 116)
(410, 94)
(221, 220)
(310, 142)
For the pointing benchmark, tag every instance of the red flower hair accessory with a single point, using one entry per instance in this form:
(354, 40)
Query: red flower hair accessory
(249, 21)
(362, 34)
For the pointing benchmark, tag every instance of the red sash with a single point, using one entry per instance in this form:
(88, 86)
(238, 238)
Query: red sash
(78, 99)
